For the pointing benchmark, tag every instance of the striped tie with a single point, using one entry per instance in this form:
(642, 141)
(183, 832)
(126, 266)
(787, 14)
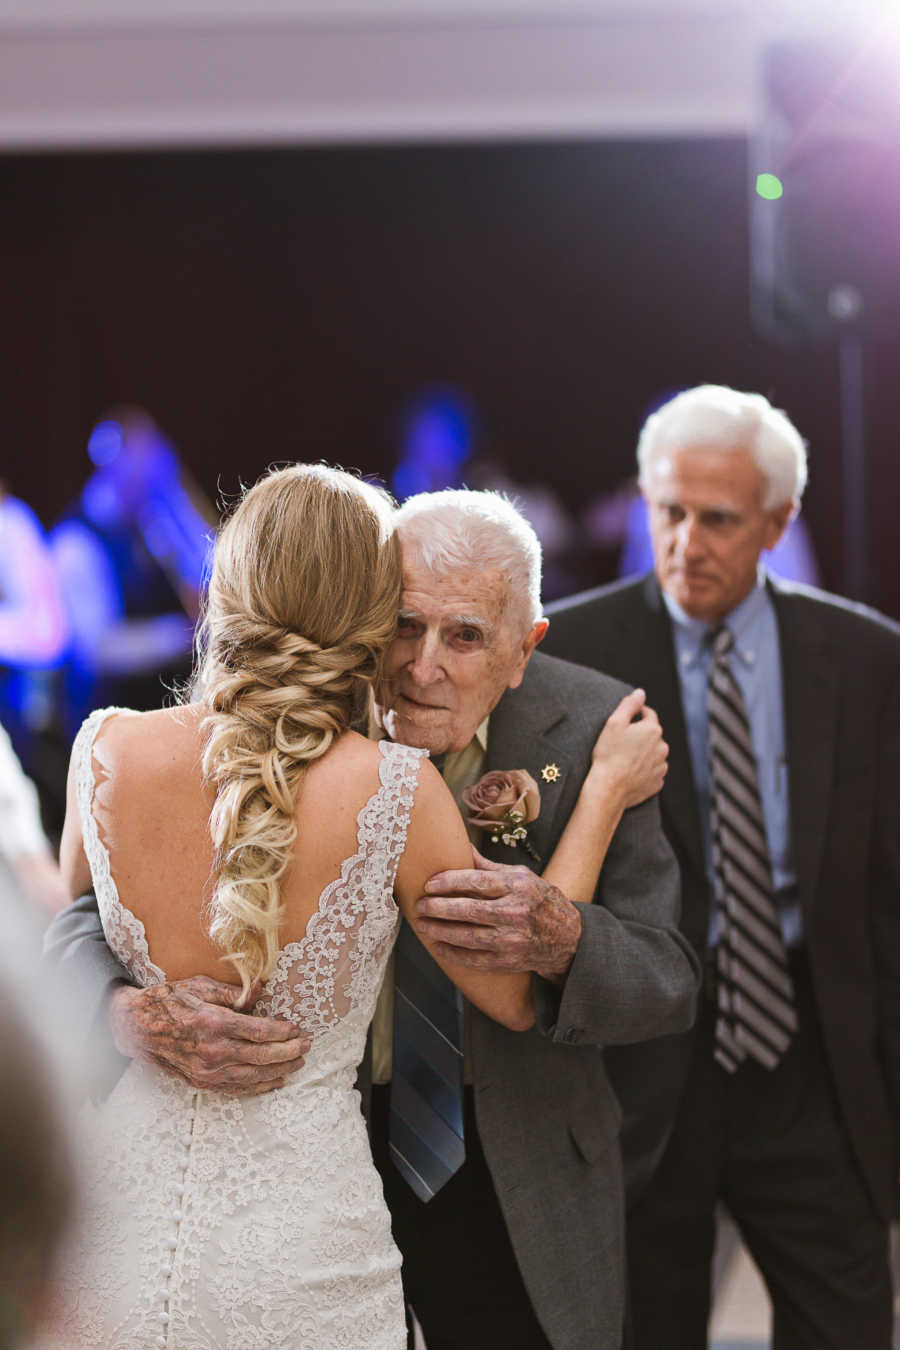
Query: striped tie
(426, 1121)
(755, 992)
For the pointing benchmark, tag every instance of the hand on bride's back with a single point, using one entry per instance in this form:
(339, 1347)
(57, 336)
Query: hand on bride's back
(191, 1029)
(631, 751)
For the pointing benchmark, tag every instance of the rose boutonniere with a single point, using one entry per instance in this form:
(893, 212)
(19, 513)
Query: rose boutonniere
(505, 802)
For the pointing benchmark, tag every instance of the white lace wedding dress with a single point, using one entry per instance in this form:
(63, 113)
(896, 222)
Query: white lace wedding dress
(221, 1223)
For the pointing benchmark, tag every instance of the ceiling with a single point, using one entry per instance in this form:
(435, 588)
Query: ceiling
(90, 73)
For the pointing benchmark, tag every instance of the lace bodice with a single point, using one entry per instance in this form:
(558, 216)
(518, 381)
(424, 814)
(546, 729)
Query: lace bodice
(216, 1222)
(337, 967)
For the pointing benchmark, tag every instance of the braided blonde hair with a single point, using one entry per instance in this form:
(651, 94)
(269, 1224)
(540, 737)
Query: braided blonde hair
(302, 605)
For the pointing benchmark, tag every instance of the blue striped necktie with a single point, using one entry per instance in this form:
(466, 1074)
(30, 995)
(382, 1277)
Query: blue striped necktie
(426, 1122)
(426, 1117)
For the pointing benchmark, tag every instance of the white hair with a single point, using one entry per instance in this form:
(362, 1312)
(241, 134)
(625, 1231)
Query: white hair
(461, 529)
(715, 417)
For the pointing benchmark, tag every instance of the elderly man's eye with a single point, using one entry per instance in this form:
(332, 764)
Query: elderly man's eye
(718, 520)
(406, 627)
(469, 637)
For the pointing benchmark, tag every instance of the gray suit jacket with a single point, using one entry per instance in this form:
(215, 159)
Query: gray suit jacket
(547, 1116)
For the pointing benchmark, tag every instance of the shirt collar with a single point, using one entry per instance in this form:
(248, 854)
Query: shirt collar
(376, 731)
(745, 622)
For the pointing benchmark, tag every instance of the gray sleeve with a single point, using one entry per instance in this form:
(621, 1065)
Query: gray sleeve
(634, 976)
(86, 971)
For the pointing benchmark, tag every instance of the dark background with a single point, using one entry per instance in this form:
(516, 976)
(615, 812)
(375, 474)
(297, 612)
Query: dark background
(274, 304)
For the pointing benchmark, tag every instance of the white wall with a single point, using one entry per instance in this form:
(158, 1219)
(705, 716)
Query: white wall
(129, 72)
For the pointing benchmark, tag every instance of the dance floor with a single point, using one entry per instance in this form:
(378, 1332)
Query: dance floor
(740, 1318)
(741, 1312)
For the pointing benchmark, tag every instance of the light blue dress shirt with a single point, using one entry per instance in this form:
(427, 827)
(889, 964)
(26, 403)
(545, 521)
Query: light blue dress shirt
(756, 664)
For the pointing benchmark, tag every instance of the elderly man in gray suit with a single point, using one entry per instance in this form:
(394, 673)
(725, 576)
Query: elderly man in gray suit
(524, 1241)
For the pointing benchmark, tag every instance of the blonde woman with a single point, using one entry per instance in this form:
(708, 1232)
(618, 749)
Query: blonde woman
(254, 827)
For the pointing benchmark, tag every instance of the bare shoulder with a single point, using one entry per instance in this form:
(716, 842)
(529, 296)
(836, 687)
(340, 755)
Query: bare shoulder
(336, 787)
(350, 754)
(435, 822)
(343, 779)
(366, 757)
(159, 740)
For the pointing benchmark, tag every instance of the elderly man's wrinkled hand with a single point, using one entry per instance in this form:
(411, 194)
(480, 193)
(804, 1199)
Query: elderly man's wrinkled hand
(494, 917)
(191, 1029)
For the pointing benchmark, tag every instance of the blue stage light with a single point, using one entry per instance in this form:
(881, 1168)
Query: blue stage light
(104, 443)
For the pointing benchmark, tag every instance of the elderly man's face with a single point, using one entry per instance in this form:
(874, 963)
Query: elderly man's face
(709, 527)
(454, 655)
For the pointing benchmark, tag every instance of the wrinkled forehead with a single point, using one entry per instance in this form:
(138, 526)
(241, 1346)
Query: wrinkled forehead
(438, 593)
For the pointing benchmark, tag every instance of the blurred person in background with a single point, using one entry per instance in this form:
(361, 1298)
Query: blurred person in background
(618, 521)
(130, 556)
(781, 705)
(442, 447)
(23, 843)
(36, 1184)
(32, 621)
(36, 1178)
(437, 438)
(33, 631)
(561, 542)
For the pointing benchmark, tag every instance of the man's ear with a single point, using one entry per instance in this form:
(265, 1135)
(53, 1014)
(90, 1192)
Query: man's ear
(537, 634)
(780, 518)
(529, 642)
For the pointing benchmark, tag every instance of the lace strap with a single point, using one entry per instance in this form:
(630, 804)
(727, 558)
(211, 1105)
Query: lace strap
(399, 776)
(123, 930)
(83, 762)
(338, 964)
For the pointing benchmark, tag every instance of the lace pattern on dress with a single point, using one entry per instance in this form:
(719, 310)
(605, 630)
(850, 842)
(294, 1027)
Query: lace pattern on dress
(214, 1222)
(124, 932)
(338, 965)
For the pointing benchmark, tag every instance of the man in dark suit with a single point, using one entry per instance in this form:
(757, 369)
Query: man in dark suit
(524, 1242)
(785, 1098)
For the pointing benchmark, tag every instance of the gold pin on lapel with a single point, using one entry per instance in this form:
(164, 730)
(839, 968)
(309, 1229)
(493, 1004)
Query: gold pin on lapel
(550, 773)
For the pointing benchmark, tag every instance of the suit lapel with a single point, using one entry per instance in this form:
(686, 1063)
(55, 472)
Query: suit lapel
(526, 732)
(646, 635)
(810, 713)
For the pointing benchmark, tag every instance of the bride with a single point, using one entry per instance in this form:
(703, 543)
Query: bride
(217, 1222)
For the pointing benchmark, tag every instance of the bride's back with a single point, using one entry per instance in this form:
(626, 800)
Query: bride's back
(152, 806)
(233, 1220)
(224, 820)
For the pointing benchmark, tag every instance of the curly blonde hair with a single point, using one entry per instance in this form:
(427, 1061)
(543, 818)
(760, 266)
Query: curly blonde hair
(302, 605)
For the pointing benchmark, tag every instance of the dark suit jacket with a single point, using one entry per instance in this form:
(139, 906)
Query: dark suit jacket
(841, 670)
(547, 1116)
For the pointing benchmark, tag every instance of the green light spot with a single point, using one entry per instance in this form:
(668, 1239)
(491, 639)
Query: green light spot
(768, 186)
